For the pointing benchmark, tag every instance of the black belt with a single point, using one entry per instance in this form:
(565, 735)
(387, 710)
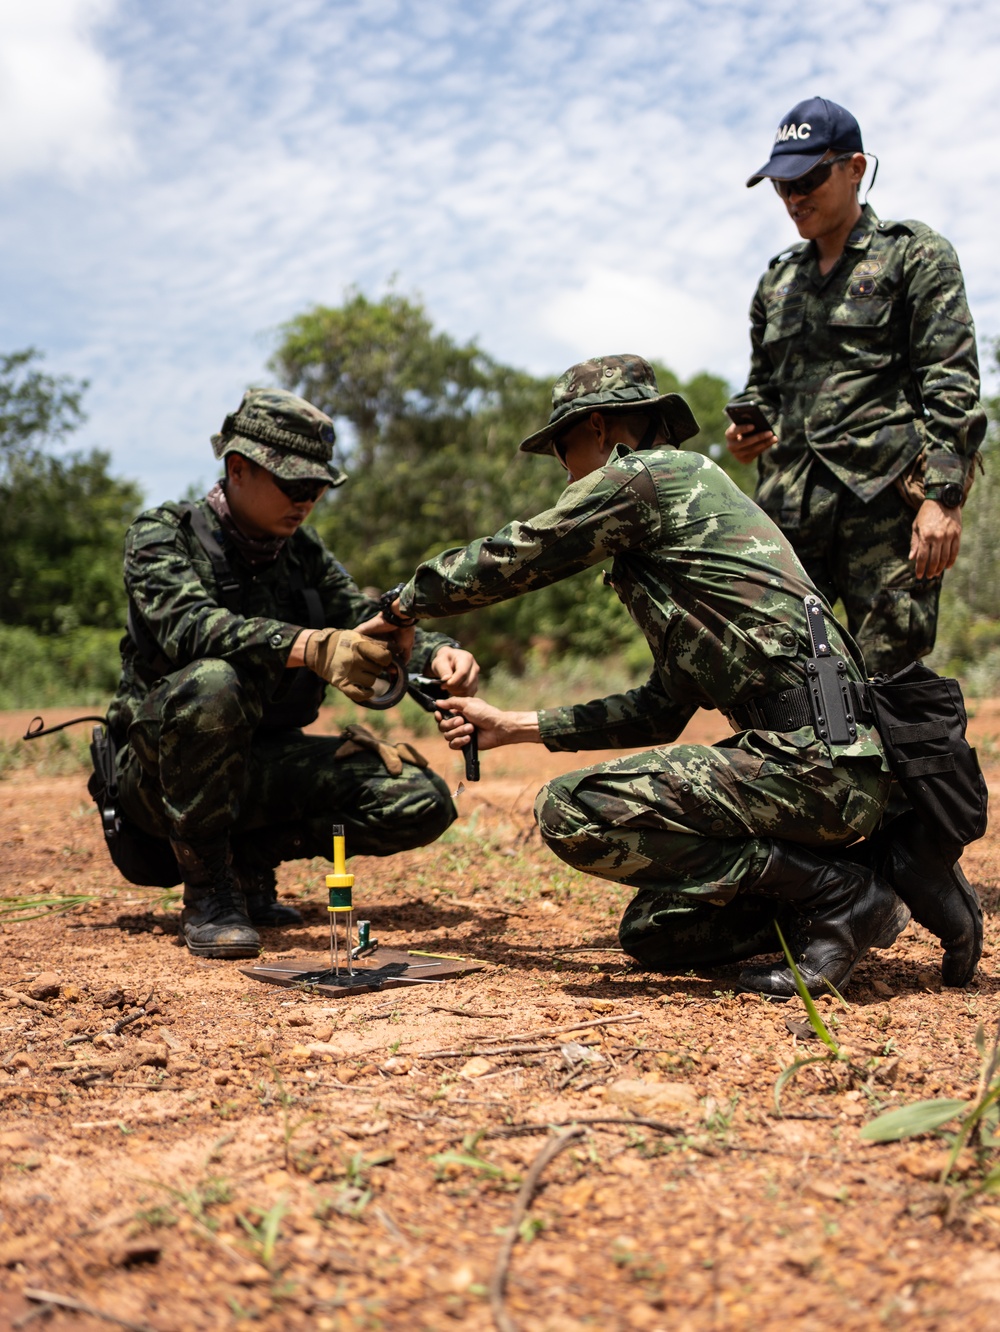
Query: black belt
(789, 709)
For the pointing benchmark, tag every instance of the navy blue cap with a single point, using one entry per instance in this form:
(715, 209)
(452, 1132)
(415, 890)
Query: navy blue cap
(806, 135)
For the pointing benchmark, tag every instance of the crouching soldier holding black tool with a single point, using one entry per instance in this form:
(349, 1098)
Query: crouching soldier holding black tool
(720, 840)
(239, 619)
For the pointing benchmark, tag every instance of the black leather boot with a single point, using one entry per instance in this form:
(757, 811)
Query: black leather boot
(214, 920)
(925, 873)
(260, 891)
(843, 910)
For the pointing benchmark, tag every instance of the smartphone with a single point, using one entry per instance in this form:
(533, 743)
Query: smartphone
(747, 414)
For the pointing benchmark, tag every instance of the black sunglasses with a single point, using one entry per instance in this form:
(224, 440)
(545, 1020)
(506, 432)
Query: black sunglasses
(812, 180)
(300, 492)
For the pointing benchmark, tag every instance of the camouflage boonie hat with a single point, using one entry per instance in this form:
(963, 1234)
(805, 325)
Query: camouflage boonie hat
(610, 383)
(284, 434)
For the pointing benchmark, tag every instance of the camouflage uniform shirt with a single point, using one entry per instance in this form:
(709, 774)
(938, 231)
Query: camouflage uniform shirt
(866, 366)
(173, 589)
(715, 587)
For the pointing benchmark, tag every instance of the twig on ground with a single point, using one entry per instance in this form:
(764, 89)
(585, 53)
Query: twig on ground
(40, 1311)
(534, 1036)
(27, 1001)
(576, 1026)
(583, 1122)
(499, 1279)
(494, 1050)
(461, 1012)
(78, 1306)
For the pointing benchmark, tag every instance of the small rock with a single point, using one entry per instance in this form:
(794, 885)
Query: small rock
(46, 985)
(652, 1098)
(826, 1189)
(15, 1140)
(250, 1274)
(72, 994)
(600, 1005)
(882, 990)
(220, 1077)
(323, 1035)
(475, 1067)
(346, 1074)
(145, 1054)
(396, 1066)
(111, 999)
(321, 1049)
(134, 1252)
(22, 1060)
(107, 1040)
(299, 1020)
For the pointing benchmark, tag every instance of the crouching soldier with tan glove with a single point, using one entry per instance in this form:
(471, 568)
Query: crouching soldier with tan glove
(239, 619)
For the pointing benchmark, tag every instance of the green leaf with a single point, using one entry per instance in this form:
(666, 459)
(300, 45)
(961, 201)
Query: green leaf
(817, 1023)
(790, 1072)
(910, 1120)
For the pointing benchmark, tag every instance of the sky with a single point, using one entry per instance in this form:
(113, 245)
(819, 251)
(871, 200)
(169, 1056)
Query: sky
(555, 179)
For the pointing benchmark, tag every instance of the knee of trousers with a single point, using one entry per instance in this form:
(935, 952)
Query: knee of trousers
(209, 695)
(567, 828)
(411, 810)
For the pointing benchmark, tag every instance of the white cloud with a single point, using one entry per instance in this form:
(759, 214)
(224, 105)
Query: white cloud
(58, 94)
(556, 178)
(614, 311)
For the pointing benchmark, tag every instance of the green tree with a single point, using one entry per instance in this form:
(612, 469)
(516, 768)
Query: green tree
(430, 430)
(62, 519)
(35, 408)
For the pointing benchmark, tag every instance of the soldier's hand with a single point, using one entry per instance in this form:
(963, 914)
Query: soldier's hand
(350, 661)
(457, 670)
(494, 727)
(379, 627)
(937, 534)
(745, 443)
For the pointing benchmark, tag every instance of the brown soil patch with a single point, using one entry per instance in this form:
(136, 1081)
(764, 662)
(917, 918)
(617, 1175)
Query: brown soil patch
(245, 1154)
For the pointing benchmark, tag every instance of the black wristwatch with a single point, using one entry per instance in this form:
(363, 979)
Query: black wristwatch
(949, 495)
(385, 606)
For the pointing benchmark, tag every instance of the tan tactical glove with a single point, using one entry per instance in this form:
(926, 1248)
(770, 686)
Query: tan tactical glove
(352, 662)
(358, 738)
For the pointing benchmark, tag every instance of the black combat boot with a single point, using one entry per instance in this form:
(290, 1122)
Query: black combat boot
(256, 856)
(924, 872)
(260, 891)
(843, 910)
(214, 920)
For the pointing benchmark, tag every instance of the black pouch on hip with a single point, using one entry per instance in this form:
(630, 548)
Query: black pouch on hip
(138, 856)
(921, 718)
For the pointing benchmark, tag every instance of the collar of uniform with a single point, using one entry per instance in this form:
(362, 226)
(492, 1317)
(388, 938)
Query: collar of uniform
(865, 228)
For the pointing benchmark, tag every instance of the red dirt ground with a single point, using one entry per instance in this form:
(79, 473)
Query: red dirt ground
(247, 1155)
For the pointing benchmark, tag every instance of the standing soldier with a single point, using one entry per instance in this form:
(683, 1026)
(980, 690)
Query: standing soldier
(239, 618)
(863, 359)
(719, 839)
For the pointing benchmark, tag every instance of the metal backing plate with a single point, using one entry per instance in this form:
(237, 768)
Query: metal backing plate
(385, 969)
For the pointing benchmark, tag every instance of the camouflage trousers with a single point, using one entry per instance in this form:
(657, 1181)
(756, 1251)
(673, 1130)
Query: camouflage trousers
(857, 552)
(687, 823)
(198, 767)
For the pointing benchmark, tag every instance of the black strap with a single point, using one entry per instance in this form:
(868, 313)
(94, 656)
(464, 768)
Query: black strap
(790, 709)
(229, 588)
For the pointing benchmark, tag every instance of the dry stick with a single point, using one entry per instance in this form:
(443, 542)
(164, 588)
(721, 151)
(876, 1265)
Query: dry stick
(494, 1050)
(78, 1306)
(461, 1012)
(537, 1035)
(27, 1001)
(498, 1281)
(517, 1130)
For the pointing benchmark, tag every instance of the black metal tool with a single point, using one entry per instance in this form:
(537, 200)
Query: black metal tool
(430, 693)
